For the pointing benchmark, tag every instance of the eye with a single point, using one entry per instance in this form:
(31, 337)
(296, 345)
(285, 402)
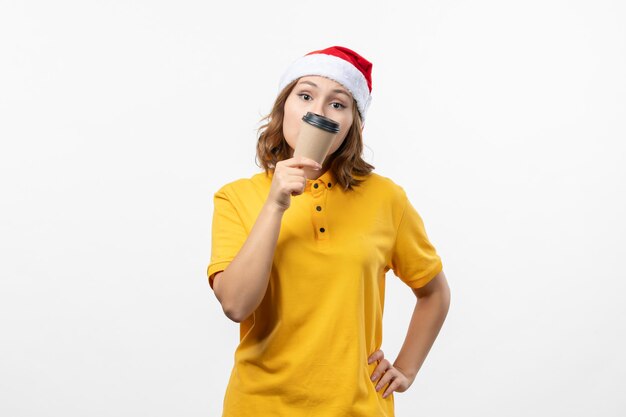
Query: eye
(341, 106)
(304, 96)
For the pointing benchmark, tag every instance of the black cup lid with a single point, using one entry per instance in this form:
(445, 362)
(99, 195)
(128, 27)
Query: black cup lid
(322, 122)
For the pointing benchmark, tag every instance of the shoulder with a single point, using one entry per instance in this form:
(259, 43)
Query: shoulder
(245, 186)
(381, 186)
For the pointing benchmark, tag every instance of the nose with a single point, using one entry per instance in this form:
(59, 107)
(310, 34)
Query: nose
(318, 108)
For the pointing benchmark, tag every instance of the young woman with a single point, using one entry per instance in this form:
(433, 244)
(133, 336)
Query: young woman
(300, 254)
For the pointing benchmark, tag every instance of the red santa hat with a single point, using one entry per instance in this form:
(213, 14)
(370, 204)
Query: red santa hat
(339, 64)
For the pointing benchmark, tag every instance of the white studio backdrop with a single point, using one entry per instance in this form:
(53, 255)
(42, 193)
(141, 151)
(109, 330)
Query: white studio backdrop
(503, 121)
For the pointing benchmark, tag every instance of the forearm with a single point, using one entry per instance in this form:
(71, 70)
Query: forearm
(428, 316)
(244, 281)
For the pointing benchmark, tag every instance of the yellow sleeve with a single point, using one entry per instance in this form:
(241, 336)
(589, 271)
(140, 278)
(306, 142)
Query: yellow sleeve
(227, 236)
(414, 259)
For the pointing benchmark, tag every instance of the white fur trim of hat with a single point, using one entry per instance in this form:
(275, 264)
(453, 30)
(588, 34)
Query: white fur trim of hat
(335, 68)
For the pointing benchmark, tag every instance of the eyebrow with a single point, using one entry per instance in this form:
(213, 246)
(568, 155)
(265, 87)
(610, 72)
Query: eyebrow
(337, 90)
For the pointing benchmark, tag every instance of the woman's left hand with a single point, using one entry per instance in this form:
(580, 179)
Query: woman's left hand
(387, 373)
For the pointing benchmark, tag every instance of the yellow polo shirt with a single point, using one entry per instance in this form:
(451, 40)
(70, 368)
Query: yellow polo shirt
(304, 351)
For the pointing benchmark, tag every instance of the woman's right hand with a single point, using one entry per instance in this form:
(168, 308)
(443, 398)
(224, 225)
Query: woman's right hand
(289, 179)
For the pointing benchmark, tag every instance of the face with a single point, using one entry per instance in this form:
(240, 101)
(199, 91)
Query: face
(322, 96)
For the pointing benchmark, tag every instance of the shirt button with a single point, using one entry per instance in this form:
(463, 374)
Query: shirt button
(318, 208)
(322, 229)
(315, 185)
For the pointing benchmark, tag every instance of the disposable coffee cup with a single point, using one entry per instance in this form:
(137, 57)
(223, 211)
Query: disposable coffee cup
(315, 138)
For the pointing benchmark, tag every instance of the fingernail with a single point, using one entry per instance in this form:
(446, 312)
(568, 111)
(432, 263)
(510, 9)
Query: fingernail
(373, 378)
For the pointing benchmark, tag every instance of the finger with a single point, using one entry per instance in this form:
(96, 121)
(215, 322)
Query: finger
(387, 378)
(302, 161)
(297, 187)
(392, 387)
(294, 172)
(380, 369)
(305, 160)
(376, 356)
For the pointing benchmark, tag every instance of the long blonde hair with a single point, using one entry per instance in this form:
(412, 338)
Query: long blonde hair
(345, 163)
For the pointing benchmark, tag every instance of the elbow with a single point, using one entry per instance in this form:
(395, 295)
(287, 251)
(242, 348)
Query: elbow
(235, 315)
(227, 308)
(232, 307)
(232, 316)
(230, 311)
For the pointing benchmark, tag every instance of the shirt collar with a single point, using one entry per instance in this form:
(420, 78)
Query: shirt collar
(326, 180)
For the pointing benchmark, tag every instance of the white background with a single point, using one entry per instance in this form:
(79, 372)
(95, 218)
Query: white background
(503, 121)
